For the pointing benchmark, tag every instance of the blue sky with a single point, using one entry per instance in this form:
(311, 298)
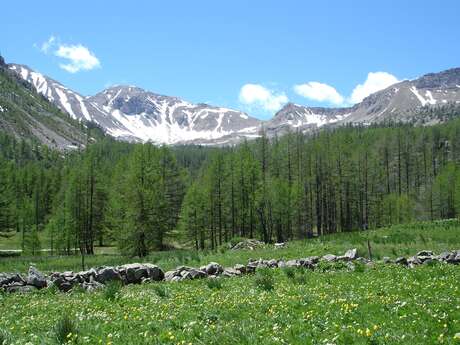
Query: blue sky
(250, 55)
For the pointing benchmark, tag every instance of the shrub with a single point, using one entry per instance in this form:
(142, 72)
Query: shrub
(264, 279)
(289, 272)
(359, 267)
(301, 279)
(214, 283)
(112, 291)
(160, 290)
(65, 330)
(325, 266)
(235, 240)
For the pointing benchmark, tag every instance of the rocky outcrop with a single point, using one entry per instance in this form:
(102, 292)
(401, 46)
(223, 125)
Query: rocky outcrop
(136, 273)
(250, 244)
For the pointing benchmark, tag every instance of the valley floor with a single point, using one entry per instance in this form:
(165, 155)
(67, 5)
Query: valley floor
(382, 304)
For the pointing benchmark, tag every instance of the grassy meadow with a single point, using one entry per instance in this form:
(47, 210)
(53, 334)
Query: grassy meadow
(382, 304)
(398, 240)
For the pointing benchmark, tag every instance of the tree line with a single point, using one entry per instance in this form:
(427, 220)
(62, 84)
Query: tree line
(143, 197)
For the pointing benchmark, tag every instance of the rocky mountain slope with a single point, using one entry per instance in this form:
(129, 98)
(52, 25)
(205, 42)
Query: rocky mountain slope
(401, 102)
(26, 114)
(133, 114)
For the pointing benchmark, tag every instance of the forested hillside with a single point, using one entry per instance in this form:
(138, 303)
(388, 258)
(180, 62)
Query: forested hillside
(141, 197)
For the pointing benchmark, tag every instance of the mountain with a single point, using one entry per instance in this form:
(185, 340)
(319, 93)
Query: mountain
(401, 102)
(298, 117)
(25, 114)
(133, 114)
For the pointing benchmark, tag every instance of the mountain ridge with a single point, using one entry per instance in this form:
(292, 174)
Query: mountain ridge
(131, 113)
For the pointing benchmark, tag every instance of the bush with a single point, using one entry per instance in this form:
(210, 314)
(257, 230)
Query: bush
(301, 279)
(359, 267)
(160, 290)
(112, 291)
(264, 279)
(289, 272)
(235, 240)
(214, 283)
(325, 266)
(65, 330)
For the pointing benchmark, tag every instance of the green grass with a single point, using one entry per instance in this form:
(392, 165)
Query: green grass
(384, 305)
(399, 240)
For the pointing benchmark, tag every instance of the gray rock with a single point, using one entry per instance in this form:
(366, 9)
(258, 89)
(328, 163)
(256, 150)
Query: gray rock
(155, 272)
(414, 260)
(292, 263)
(386, 260)
(329, 257)
(213, 268)
(169, 275)
(272, 263)
(248, 244)
(351, 254)
(134, 273)
(17, 287)
(36, 278)
(240, 268)
(425, 253)
(7, 279)
(93, 286)
(107, 274)
(401, 261)
(306, 262)
(280, 245)
(230, 272)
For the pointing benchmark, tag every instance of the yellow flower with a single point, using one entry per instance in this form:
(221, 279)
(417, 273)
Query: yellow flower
(368, 332)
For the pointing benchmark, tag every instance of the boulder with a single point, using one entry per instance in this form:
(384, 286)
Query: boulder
(272, 263)
(280, 245)
(169, 275)
(401, 261)
(213, 268)
(7, 279)
(425, 253)
(306, 262)
(351, 254)
(17, 287)
(36, 278)
(414, 261)
(107, 274)
(230, 272)
(329, 257)
(155, 272)
(62, 284)
(386, 260)
(93, 286)
(240, 268)
(133, 273)
(292, 263)
(249, 244)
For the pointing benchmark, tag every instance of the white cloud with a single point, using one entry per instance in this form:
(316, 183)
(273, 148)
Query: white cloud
(260, 96)
(79, 57)
(319, 92)
(45, 46)
(375, 81)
